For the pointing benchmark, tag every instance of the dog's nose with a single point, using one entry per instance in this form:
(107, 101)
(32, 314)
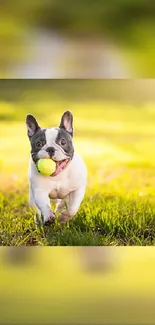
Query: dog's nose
(51, 151)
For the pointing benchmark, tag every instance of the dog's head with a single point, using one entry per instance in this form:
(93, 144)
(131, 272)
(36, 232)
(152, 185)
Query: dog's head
(55, 143)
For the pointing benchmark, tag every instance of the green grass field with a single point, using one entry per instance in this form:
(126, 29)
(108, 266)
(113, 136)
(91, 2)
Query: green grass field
(117, 143)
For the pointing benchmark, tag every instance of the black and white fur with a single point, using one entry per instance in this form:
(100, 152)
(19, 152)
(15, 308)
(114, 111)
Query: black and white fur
(68, 187)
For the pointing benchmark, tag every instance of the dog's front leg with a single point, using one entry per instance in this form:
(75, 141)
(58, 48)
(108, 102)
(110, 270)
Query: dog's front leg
(33, 205)
(75, 199)
(61, 205)
(42, 201)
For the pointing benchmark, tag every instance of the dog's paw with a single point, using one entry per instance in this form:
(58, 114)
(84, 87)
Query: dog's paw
(50, 220)
(63, 218)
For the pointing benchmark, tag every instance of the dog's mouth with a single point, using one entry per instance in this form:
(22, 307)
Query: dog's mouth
(60, 165)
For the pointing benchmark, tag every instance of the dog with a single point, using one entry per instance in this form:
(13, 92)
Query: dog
(67, 185)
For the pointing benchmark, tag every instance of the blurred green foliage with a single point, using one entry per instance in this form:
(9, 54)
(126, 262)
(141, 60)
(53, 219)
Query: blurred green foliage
(79, 90)
(130, 24)
(115, 17)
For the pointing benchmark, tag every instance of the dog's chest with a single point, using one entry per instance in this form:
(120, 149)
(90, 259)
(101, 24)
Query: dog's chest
(60, 189)
(58, 193)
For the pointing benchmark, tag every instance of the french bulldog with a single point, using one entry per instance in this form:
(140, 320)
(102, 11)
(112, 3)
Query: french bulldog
(66, 186)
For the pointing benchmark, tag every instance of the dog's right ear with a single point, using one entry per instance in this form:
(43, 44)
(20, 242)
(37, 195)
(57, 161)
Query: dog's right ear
(32, 125)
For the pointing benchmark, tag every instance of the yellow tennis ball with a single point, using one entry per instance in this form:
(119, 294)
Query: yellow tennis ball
(46, 166)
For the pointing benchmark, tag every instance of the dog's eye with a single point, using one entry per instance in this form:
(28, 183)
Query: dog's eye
(63, 142)
(39, 144)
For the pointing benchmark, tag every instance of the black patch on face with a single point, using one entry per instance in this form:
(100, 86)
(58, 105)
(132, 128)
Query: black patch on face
(38, 140)
(64, 140)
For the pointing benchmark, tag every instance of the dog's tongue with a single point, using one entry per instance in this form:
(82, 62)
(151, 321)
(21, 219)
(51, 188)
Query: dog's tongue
(60, 165)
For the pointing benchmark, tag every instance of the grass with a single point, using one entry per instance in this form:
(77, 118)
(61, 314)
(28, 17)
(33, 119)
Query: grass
(117, 143)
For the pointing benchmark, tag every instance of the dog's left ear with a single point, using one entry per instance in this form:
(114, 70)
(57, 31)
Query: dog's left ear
(67, 122)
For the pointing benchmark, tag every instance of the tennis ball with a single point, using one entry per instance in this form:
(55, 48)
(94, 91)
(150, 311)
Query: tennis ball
(46, 166)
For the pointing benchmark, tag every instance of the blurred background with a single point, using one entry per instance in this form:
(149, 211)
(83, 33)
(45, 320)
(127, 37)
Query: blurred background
(57, 285)
(77, 39)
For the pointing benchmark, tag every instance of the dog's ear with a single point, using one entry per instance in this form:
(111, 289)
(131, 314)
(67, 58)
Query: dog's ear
(32, 125)
(67, 122)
